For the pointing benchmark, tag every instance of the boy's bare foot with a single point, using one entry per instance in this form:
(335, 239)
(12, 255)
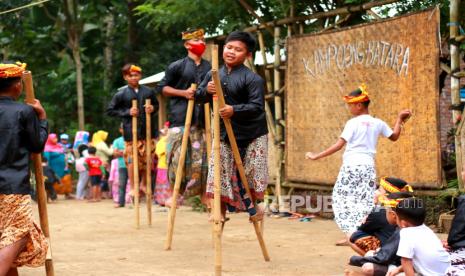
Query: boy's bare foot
(342, 242)
(212, 219)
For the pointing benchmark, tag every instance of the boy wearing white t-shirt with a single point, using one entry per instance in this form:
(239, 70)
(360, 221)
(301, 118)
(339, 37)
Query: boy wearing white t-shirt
(420, 249)
(356, 183)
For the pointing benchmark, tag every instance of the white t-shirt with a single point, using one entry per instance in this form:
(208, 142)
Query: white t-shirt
(425, 249)
(361, 134)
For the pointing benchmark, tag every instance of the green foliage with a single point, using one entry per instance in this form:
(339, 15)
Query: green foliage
(196, 204)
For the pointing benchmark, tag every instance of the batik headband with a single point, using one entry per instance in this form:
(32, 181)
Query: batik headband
(363, 97)
(390, 188)
(197, 34)
(135, 68)
(12, 70)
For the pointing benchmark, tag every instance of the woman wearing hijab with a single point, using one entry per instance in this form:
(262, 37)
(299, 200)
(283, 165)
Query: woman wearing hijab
(104, 153)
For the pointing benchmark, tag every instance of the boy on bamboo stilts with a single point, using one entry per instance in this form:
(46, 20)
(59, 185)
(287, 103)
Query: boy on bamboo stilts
(244, 93)
(121, 106)
(179, 76)
(23, 130)
(356, 183)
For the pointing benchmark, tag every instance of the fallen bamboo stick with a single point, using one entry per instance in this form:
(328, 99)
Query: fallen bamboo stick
(148, 166)
(135, 165)
(235, 150)
(40, 187)
(179, 172)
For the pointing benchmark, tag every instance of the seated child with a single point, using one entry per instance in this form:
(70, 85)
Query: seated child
(385, 258)
(376, 230)
(456, 240)
(420, 249)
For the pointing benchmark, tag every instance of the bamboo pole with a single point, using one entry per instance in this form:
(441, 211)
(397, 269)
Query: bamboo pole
(148, 160)
(217, 224)
(455, 82)
(235, 150)
(161, 111)
(278, 114)
(135, 165)
(208, 134)
(40, 187)
(318, 15)
(179, 172)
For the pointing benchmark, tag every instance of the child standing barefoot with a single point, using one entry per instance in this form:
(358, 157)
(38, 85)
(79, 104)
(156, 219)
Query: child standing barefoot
(355, 184)
(95, 167)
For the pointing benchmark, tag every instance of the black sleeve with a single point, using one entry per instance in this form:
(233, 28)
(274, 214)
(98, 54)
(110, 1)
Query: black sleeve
(171, 75)
(36, 131)
(115, 107)
(371, 224)
(201, 94)
(256, 101)
(385, 256)
(456, 238)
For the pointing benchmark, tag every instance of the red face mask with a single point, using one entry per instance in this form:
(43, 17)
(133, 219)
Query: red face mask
(197, 47)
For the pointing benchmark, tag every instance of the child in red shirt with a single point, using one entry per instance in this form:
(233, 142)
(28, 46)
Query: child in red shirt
(95, 167)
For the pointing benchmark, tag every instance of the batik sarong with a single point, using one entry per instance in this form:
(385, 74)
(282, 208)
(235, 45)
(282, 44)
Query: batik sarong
(16, 222)
(353, 196)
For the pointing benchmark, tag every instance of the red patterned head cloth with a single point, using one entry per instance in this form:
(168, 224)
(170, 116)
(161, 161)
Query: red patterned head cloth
(362, 95)
(135, 68)
(395, 185)
(12, 70)
(193, 34)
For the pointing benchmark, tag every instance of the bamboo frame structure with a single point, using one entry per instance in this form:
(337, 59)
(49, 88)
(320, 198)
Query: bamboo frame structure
(235, 150)
(179, 172)
(40, 187)
(454, 9)
(135, 165)
(148, 160)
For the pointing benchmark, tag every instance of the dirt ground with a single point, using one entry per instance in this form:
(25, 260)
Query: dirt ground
(97, 239)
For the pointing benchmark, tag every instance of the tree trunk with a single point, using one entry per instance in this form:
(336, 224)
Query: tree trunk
(132, 32)
(108, 56)
(79, 86)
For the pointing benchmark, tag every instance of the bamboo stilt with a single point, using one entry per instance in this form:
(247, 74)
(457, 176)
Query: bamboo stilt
(179, 172)
(135, 165)
(278, 114)
(161, 111)
(235, 150)
(40, 187)
(217, 225)
(148, 167)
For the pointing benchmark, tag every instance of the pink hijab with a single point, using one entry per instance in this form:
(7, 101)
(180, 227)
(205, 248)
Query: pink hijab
(52, 144)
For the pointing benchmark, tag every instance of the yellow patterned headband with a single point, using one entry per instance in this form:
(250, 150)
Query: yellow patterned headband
(393, 189)
(363, 97)
(389, 202)
(197, 34)
(135, 68)
(12, 70)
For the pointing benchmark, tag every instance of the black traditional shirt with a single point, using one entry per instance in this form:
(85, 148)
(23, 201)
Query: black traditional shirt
(245, 92)
(122, 103)
(180, 75)
(21, 134)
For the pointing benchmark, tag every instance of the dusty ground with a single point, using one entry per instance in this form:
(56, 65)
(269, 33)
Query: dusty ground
(97, 239)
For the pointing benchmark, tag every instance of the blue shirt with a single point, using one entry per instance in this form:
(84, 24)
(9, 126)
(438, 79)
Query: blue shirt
(118, 144)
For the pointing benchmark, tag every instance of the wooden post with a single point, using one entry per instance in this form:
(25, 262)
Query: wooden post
(148, 167)
(278, 115)
(161, 111)
(208, 134)
(235, 150)
(135, 165)
(455, 82)
(179, 171)
(40, 187)
(217, 225)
